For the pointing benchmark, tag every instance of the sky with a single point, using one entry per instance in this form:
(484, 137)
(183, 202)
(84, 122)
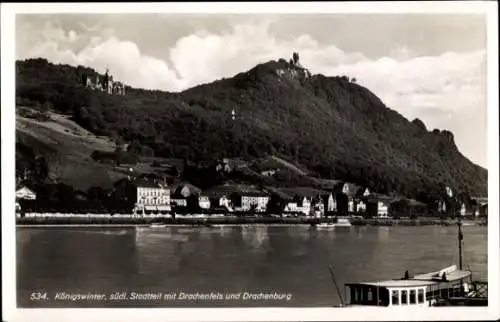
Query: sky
(430, 66)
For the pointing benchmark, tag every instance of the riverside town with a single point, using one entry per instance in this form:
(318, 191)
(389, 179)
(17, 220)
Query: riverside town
(151, 188)
(176, 182)
(154, 199)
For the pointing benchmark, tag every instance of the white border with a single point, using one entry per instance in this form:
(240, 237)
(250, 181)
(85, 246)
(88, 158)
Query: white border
(11, 313)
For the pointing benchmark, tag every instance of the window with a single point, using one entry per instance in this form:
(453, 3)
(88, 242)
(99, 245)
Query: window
(420, 296)
(395, 297)
(404, 297)
(370, 295)
(413, 297)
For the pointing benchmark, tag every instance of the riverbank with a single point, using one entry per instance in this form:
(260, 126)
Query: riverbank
(415, 222)
(122, 221)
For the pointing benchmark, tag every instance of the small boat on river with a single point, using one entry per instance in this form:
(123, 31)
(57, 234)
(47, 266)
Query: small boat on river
(341, 222)
(157, 225)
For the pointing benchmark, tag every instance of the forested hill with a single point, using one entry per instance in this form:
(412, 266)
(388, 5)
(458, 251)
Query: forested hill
(330, 125)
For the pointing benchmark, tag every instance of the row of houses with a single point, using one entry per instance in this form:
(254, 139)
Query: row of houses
(156, 196)
(345, 198)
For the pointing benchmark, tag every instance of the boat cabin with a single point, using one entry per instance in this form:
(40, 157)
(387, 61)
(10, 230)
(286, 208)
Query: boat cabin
(419, 290)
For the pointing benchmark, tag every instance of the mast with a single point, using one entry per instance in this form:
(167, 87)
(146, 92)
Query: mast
(460, 238)
(459, 224)
(332, 275)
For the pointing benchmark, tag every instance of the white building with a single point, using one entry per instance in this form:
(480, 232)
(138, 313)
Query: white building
(247, 200)
(463, 210)
(350, 206)
(268, 173)
(382, 209)
(441, 206)
(224, 201)
(181, 192)
(319, 209)
(361, 207)
(304, 206)
(152, 196)
(331, 204)
(25, 193)
(204, 202)
(180, 202)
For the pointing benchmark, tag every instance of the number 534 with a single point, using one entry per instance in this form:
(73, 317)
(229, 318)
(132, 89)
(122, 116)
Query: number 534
(37, 296)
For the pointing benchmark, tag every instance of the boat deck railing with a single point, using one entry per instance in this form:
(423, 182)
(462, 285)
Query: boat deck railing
(479, 289)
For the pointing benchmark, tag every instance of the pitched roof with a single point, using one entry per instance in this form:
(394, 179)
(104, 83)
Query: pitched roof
(480, 200)
(375, 197)
(352, 189)
(177, 187)
(361, 191)
(327, 184)
(304, 192)
(80, 195)
(146, 183)
(228, 189)
(415, 203)
(24, 187)
(338, 185)
(280, 194)
(25, 184)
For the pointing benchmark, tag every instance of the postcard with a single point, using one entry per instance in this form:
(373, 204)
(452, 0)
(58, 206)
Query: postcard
(250, 161)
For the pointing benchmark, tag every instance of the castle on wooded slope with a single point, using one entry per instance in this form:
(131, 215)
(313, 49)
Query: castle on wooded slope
(105, 84)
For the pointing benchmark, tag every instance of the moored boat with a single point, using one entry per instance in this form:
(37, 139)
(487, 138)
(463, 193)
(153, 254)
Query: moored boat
(451, 286)
(157, 225)
(341, 222)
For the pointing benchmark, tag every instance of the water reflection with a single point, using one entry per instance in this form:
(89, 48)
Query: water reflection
(154, 245)
(359, 231)
(255, 237)
(305, 233)
(383, 233)
(292, 259)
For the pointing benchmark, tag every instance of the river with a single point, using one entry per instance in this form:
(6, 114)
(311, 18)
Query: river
(233, 263)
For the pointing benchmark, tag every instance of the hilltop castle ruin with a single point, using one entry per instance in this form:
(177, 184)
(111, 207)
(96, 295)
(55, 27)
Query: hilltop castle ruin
(105, 84)
(294, 68)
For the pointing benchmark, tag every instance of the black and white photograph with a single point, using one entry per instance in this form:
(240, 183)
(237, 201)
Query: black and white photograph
(318, 161)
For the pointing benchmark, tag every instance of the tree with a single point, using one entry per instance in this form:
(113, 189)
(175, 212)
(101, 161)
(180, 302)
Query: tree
(123, 197)
(41, 170)
(56, 169)
(193, 205)
(275, 205)
(253, 209)
(46, 107)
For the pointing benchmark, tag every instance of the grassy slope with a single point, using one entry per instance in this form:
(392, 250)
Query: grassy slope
(68, 148)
